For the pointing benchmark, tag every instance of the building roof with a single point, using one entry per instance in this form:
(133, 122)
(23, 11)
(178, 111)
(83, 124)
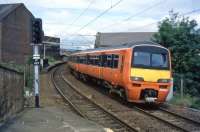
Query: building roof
(6, 9)
(110, 39)
(122, 46)
(51, 39)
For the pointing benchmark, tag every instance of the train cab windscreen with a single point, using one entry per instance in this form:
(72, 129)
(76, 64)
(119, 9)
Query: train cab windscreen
(150, 57)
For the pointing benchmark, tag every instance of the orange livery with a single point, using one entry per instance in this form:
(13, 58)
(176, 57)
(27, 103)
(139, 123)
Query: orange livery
(139, 72)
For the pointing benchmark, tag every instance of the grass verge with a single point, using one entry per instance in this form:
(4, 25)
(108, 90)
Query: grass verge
(186, 101)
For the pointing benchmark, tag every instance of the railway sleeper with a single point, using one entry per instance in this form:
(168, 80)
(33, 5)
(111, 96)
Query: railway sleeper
(99, 116)
(97, 112)
(120, 130)
(91, 108)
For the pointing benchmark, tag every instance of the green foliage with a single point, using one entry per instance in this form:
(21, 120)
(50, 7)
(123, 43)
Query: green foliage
(186, 101)
(182, 36)
(51, 60)
(16, 67)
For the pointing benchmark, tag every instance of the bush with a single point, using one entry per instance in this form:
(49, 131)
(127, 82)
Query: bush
(182, 36)
(186, 101)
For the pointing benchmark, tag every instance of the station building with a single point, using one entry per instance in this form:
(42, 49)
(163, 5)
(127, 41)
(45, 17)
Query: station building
(51, 47)
(119, 38)
(15, 33)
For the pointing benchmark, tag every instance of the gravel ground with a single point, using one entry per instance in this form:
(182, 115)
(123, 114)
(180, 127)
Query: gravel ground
(143, 122)
(186, 112)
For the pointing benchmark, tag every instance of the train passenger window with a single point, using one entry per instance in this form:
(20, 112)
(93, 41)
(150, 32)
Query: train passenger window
(104, 61)
(85, 60)
(115, 61)
(79, 59)
(93, 60)
(96, 60)
(109, 61)
(82, 59)
(73, 58)
(90, 60)
(100, 61)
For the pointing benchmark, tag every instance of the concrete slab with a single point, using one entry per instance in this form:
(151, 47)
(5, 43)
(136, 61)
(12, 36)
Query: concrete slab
(50, 119)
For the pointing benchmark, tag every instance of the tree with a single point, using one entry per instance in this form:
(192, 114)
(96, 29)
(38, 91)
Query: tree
(182, 36)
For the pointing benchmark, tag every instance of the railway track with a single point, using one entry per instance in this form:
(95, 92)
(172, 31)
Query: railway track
(87, 108)
(175, 120)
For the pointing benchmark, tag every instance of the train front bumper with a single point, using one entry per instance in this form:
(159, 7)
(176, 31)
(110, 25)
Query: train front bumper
(141, 92)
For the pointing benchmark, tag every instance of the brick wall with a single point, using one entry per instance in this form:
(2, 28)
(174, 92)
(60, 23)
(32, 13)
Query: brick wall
(16, 36)
(11, 93)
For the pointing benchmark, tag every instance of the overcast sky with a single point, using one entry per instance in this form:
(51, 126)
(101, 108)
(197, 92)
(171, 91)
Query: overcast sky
(61, 17)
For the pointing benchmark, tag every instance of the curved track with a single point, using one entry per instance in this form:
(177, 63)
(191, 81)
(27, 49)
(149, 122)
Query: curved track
(87, 108)
(173, 119)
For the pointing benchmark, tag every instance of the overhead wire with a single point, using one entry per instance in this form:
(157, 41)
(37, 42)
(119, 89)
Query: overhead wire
(136, 14)
(191, 12)
(132, 16)
(83, 12)
(126, 19)
(101, 14)
(183, 14)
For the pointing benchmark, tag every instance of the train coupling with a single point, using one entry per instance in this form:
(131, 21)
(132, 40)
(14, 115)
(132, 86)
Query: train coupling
(150, 99)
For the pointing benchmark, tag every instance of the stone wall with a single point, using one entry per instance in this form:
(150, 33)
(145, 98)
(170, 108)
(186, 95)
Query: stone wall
(11, 92)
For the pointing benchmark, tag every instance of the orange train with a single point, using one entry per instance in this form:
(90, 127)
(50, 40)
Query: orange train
(139, 72)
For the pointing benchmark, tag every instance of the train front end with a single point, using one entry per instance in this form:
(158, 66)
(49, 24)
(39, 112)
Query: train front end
(150, 74)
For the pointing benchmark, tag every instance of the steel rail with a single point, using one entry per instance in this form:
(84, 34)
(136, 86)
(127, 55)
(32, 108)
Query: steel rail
(88, 99)
(63, 96)
(180, 116)
(162, 120)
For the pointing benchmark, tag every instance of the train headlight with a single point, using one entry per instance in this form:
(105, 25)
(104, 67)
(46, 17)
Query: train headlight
(137, 78)
(164, 80)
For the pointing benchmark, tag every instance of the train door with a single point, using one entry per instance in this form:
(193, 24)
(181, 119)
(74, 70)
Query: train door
(116, 69)
(102, 59)
(107, 67)
(100, 66)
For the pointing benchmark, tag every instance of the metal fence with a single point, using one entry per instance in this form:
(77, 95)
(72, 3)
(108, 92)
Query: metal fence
(11, 92)
(186, 84)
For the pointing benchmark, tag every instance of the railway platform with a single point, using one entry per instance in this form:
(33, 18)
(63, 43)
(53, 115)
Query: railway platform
(49, 119)
(53, 116)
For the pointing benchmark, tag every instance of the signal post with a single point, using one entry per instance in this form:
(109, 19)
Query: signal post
(37, 37)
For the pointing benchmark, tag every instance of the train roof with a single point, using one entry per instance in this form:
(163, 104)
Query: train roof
(125, 45)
